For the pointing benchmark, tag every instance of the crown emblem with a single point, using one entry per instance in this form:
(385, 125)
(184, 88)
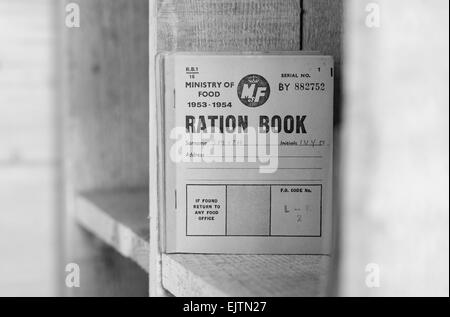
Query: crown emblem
(253, 80)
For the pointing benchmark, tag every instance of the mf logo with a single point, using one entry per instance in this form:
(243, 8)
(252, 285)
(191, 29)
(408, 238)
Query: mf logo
(253, 90)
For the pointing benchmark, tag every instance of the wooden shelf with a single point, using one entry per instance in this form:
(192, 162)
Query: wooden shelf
(119, 218)
(245, 275)
(104, 272)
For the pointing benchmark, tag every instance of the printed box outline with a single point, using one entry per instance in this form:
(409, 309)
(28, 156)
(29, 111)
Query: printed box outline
(270, 211)
(215, 235)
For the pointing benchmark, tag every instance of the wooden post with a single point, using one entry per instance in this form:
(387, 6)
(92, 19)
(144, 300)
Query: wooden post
(201, 25)
(106, 138)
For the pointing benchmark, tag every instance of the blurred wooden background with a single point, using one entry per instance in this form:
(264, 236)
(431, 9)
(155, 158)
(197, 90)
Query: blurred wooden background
(105, 67)
(28, 154)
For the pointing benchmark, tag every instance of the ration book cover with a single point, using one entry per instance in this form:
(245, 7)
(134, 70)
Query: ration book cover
(246, 153)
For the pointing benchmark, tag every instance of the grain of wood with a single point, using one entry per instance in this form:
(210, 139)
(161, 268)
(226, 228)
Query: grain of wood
(104, 272)
(120, 219)
(322, 30)
(245, 275)
(228, 25)
(155, 287)
(322, 22)
(105, 73)
(108, 92)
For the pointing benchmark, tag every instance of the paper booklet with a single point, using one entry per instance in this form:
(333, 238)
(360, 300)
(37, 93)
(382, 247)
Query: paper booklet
(245, 152)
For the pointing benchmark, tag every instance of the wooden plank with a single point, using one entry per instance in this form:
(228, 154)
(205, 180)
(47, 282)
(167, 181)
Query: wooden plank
(228, 25)
(108, 92)
(395, 219)
(322, 22)
(105, 73)
(322, 30)
(103, 271)
(322, 27)
(119, 218)
(245, 275)
(205, 25)
(155, 284)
